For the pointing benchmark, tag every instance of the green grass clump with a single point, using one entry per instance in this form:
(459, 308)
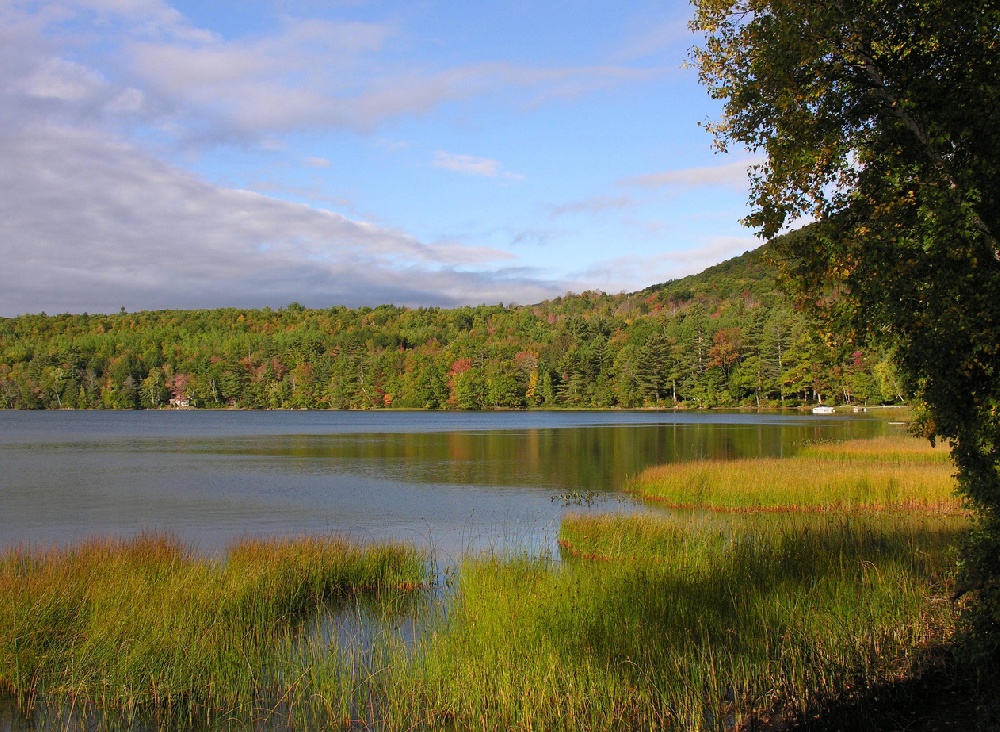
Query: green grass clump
(885, 474)
(687, 624)
(146, 627)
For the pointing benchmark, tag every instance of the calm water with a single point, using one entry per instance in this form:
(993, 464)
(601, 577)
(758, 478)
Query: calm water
(450, 481)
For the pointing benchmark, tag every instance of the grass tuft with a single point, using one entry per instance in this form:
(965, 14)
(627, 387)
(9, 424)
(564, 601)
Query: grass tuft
(145, 627)
(887, 474)
(689, 624)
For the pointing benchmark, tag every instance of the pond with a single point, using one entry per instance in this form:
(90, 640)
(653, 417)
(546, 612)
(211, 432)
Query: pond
(450, 481)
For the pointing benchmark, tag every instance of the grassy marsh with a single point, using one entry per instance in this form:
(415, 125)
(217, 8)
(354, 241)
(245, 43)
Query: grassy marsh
(707, 620)
(661, 621)
(893, 449)
(655, 622)
(144, 628)
(885, 474)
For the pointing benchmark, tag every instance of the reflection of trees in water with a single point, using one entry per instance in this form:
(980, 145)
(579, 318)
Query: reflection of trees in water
(591, 458)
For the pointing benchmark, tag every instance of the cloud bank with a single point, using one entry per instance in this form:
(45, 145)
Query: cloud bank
(89, 220)
(92, 224)
(96, 96)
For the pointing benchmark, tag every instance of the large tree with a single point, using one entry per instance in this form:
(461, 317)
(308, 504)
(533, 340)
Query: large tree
(880, 120)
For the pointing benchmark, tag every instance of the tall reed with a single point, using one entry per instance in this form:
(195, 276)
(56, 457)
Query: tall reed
(886, 474)
(146, 627)
(655, 622)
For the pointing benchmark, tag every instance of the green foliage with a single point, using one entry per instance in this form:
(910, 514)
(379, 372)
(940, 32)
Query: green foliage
(725, 338)
(878, 119)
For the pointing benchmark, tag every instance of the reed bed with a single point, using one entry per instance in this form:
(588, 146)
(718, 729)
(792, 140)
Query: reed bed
(654, 623)
(144, 628)
(708, 620)
(886, 474)
(881, 450)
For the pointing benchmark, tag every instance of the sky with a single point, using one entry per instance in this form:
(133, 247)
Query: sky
(206, 154)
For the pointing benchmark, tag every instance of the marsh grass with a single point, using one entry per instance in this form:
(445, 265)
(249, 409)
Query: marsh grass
(881, 450)
(706, 620)
(683, 621)
(654, 622)
(146, 629)
(882, 474)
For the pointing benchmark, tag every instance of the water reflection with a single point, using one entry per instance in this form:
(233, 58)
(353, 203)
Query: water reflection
(447, 481)
(572, 458)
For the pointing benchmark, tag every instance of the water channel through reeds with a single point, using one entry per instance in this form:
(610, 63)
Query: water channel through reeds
(708, 616)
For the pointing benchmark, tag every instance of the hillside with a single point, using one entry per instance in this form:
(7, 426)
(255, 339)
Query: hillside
(726, 337)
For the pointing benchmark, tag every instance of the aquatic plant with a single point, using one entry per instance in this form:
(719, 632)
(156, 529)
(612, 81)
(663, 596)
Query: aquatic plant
(655, 622)
(886, 474)
(143, 627)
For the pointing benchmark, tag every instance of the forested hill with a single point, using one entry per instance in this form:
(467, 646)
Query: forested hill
(726, 337)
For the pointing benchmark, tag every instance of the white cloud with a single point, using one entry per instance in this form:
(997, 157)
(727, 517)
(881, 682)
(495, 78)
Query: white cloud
(304, 74)
(392, 146)
(149, 18)
(63, 80)
(471, 165)
(91, 224)
(466, 164)
(634, 272)
(89, 221)
(732, 175)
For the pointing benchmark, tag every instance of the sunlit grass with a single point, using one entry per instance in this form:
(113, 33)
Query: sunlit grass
(710, 620)
(681, 621)
(884, 474)
(880, 450)
(662, 623)
(146, 627)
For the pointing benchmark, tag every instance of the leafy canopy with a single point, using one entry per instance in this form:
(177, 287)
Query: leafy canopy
(879, 121)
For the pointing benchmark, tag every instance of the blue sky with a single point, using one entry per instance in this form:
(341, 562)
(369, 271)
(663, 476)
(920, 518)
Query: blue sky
(207, 154)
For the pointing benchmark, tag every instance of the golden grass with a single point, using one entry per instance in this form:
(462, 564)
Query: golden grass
(688, 624)
(888, 449)
(146, 627)
(886, 474)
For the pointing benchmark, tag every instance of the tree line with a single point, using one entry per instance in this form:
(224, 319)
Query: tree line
(728, 337)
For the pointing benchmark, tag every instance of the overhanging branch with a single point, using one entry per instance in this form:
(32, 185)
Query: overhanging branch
(859, 59)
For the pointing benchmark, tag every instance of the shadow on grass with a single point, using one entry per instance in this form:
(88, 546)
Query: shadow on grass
(937, 696)
(689, 629)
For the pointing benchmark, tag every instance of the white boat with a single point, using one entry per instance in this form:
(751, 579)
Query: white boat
(824, 410)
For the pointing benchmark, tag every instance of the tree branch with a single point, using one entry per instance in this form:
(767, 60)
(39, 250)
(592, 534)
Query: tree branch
(870, 68)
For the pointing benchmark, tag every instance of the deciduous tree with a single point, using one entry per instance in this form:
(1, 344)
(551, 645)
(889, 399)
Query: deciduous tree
(878, 119)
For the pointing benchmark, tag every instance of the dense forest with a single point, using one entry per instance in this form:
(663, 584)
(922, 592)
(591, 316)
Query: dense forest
(728, 337)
